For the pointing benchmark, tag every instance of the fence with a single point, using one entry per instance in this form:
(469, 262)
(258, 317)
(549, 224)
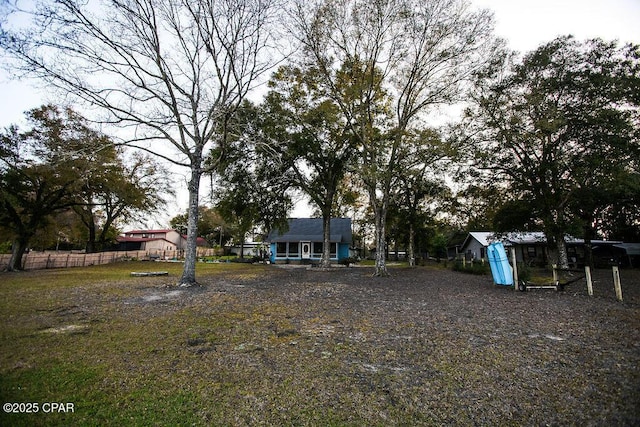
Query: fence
(44, 260)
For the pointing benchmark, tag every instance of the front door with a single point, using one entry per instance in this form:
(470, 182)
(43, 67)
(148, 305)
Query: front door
(305, 248)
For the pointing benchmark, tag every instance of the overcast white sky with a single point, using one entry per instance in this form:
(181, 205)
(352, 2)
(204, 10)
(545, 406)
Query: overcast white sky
(528, 23)
(525, 24)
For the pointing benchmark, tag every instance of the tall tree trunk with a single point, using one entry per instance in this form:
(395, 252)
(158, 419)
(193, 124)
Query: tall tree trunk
(563, 259)
(326, 240)
(189, 272)
(381, 243)
(91, 242)
(411, 254)
(19, 248)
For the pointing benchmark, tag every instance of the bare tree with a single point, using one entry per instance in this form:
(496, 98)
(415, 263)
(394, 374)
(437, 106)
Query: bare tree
(172, 73)
(405, 56)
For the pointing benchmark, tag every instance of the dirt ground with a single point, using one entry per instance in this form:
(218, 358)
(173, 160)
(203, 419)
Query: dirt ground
(284, 345)
(446, 347)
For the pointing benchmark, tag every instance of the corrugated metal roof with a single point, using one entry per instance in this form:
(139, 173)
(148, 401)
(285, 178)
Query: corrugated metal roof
(483, 237)
(522, 238)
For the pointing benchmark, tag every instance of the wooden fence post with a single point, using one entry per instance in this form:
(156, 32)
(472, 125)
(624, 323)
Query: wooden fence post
(555, 274)
(587, 275)
(616, 283)
(515, 268)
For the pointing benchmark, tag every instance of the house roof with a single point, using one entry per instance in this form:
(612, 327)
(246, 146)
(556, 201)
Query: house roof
(148, 231)
(520, 238)
(310, 229)
(629, 248)
(200, 241)
(483, 237)
(124, 239)
(529, 237)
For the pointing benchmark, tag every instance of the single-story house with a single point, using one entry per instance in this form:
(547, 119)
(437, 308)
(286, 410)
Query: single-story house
(303, 240)
(155, 241)
(531, 247)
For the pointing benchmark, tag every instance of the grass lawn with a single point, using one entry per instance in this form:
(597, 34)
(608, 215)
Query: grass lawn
(83, 336)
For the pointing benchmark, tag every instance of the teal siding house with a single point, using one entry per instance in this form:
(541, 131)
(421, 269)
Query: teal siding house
(302, 242)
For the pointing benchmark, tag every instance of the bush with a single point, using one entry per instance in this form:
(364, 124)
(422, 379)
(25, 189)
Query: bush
(473, 267)
(5, 248)
(524, 272)
(348, 261)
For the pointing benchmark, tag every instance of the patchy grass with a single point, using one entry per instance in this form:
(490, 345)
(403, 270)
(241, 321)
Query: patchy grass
(259, 345)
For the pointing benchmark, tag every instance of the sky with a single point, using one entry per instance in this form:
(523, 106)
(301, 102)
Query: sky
(525, 24)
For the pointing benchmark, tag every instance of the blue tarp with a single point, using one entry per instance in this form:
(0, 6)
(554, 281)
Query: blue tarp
(500, 268)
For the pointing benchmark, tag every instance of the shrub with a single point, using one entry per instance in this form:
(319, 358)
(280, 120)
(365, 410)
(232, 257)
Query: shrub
(473, 267)
(348, 261)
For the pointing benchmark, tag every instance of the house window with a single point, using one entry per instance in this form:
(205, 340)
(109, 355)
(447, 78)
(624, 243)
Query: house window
(294, 249)
(531, 251)
(317, 250)
(281, 249)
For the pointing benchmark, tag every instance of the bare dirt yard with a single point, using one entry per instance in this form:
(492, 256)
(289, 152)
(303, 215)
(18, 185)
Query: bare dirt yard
(268, 345)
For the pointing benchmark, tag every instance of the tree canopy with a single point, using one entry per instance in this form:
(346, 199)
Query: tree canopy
(305, 127)
(560, 131)
(384, 64)
(59, 164)
(549, 141)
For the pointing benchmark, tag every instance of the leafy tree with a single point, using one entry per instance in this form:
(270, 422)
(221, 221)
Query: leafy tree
(114, 191)
(312, 139)
(62, 165)
(174, 73)
(254, 181)
(420, 184)
(475, 204)
(620, 219)
(211, 226)
(560, 129)
(438, 246)
(384, 64)
(39, 175)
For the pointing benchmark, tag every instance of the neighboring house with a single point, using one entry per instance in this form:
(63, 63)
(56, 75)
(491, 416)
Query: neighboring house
(531, 247)
(155, 241)
(454, 244)
(302, 242)
(474, 246)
